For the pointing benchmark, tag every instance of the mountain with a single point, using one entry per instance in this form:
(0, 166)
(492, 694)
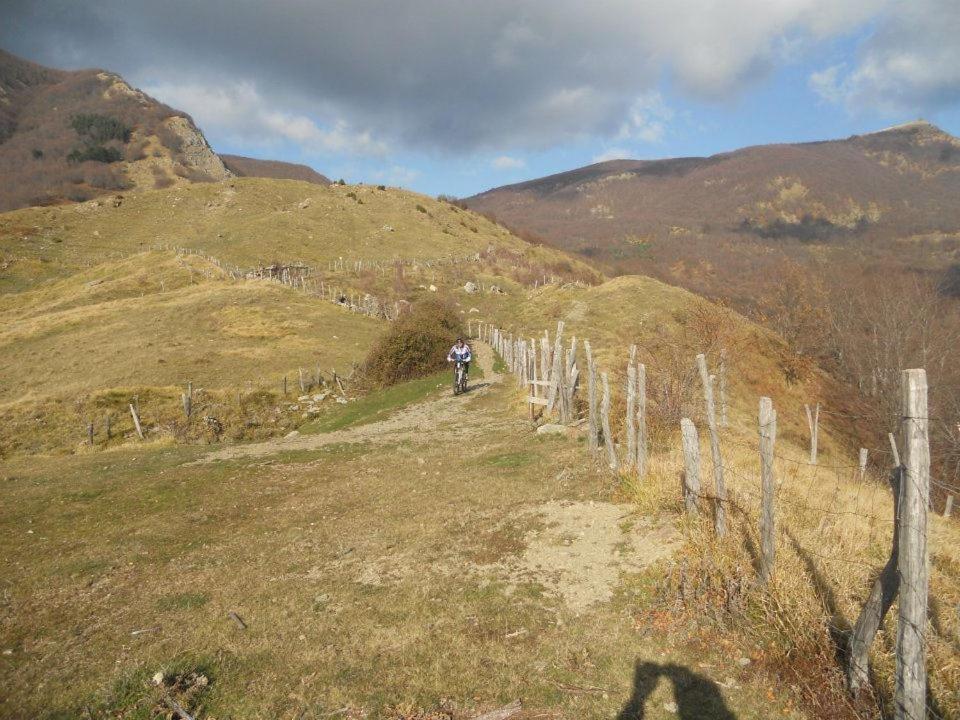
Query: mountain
(71, 136)
(276, 169)
(900, 182)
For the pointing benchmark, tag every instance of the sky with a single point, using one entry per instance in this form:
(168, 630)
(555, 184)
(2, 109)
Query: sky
(456, 97)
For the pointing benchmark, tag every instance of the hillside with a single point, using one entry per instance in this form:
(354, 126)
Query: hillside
(899, 182)
(73, 136)
(276, 169)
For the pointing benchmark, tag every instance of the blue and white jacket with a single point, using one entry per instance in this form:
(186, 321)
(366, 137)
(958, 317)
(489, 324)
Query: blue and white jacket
(462, 353)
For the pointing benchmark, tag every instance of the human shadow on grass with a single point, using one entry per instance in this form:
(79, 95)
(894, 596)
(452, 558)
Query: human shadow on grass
(697, 696)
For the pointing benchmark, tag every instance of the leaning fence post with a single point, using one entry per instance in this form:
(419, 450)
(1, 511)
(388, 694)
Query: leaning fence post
(641, 420)
(691, 466)
(881, 597)
(720, 519)
(605, 422)
(813, 423)
(136, 420)
(591, 396)
(911, 689)
(768, 438)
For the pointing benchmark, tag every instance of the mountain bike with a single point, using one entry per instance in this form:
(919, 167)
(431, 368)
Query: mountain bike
(459, 377)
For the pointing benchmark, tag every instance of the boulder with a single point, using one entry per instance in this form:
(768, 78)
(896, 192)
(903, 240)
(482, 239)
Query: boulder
(552, 429)
(470, 288)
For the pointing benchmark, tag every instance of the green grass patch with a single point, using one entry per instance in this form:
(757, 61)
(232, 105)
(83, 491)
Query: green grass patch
(509, 461)
(377, 405)
(499, 366)
(182, 601)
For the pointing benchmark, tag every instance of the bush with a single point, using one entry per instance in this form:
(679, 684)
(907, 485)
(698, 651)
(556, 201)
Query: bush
(98, 129)
(416, 344)
(94, 153)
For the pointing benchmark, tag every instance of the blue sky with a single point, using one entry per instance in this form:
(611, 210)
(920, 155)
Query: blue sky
(456, 97)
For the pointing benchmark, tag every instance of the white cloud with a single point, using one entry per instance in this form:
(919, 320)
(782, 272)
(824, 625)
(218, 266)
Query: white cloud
(397, 175)
(647, 119)
(505, 162)
(239, 111)
(614, 153)
(910, 63)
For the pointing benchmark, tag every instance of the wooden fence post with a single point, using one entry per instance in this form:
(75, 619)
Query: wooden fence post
(719, 518)
(911, 689)
(284, 385)
(948, 508)
(691, 466)
(641, 420)
(605, 422)
(106, 426)
(90, 433)
(768, 439)
(881, 597)
(863, 463)
(893, 450)
(136, 420)
(591, 396)
(813, 423)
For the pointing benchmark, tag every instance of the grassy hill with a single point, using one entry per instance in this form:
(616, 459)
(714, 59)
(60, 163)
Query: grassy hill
(397, 523)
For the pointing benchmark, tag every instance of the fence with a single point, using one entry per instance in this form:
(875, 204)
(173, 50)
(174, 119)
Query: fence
(841, 500)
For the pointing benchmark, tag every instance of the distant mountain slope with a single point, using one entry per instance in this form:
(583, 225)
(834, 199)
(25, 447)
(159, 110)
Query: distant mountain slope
(901, 181)
(276, 169)
(76, 135)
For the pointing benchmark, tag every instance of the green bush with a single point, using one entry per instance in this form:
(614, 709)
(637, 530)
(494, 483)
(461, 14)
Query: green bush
(98, 129)
(416, 344)
(96, 153)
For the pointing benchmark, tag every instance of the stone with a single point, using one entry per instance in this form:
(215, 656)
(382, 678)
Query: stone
(552, 429)
(292, 434)
(744, 661)
(470, 288)
(432, 288)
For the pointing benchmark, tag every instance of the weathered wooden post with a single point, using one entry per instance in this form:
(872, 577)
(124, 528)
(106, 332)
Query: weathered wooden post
(106, 426)
(284, 385)
(863, 463)
(768, 437)
(303, 386)
(605, 421)
(136, 420)
(591, 397)
(90, 433)
(911, 686)
(641, 420)
(691, 466)
(948, 507)
(720, 517)
(813, 423)
(187, 404)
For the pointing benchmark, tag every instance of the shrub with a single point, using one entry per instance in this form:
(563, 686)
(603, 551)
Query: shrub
(381, 187)
(421, 208)
(98, 129)
(94, 153)
(416, 344)
(341, 181)
(37, 154)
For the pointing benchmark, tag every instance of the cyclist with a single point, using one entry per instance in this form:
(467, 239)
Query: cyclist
(462, 353)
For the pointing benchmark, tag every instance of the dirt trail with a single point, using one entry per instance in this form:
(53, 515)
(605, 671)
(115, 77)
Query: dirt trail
(425, 421)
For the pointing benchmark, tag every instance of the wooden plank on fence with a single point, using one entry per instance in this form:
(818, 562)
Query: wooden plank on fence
(691, 466)
(911, 671)
(768, 435)
(533, 400)
(641, 420)
(605, 422)
(591, 396)
(720, 512)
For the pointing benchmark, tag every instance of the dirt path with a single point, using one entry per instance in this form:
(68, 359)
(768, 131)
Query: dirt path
(424, 422)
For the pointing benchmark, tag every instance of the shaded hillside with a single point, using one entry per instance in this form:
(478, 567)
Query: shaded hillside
(276, 169)
(72, 136)
(903, 181)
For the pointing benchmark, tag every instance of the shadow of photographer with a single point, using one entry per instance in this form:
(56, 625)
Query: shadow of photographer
(697, 697)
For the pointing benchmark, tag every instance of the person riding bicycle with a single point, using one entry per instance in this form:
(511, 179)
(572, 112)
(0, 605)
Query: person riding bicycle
(461, 352)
